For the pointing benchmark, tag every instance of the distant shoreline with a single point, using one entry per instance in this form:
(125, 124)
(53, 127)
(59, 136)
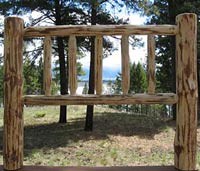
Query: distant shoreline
(104, 81)
(106, 86)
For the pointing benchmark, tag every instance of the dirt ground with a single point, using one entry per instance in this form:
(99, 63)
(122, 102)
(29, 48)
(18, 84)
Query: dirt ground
(117, 139)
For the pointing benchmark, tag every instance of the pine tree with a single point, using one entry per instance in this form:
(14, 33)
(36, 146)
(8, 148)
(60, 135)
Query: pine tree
(58, 12)
(138, 84)
(31, 74)
(166, 12)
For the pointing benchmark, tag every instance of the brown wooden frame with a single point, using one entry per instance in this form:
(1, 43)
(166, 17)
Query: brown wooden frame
(185, 30)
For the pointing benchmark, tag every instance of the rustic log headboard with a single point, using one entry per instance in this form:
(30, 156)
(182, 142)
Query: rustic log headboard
(185, 97)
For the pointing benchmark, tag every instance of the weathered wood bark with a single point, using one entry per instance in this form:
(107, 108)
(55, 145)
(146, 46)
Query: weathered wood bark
(164, 98)
(186, 63)
(72, 65)
(151, 64)
(13, 110)
(47, 66)
(125, 64)
(86, 30)
(98, 64)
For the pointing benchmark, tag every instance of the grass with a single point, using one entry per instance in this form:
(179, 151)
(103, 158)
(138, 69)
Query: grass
(117, 139)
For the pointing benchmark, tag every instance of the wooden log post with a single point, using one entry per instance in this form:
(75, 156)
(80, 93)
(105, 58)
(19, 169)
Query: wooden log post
(151, 65)
(98, 64)
(125, 64)
(185, 143)
(72, 65)
(47, 65)
(13, 104)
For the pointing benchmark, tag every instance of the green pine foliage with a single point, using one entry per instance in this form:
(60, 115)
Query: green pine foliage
(138, 84)
(32, 74)
(165, 13)
(138, 79)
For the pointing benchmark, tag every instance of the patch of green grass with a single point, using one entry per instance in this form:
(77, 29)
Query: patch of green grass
(118, 138)
(39, 114)
(1, 117)
(198, 159)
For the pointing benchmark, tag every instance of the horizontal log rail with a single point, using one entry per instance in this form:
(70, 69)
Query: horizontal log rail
(161, 98)
(88, 30)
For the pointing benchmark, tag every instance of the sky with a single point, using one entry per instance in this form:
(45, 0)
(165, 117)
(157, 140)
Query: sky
(113, 62)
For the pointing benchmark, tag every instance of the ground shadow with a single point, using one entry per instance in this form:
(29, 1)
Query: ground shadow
(55, 135)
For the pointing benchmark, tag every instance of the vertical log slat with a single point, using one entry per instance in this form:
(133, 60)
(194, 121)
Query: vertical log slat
(185, 143)
(125, 64)
(72, 65)
(151, 64)
(47, 65)
(98, 64)
(13, 109)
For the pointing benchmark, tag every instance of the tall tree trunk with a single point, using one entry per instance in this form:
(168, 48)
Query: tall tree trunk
(173, 75)
(172, 15)
(62, 63)
(90, 108)
(63, 79)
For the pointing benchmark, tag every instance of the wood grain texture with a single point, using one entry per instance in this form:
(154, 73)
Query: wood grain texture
(13, 110)
(88, 30)
(125, 64)
(72, 65)
(186, 63)
(113, 168)
(98, 64)
(151, 64)
(47, 66)
(164, 98)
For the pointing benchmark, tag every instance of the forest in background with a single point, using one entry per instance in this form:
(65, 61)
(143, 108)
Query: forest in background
(77, 12)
